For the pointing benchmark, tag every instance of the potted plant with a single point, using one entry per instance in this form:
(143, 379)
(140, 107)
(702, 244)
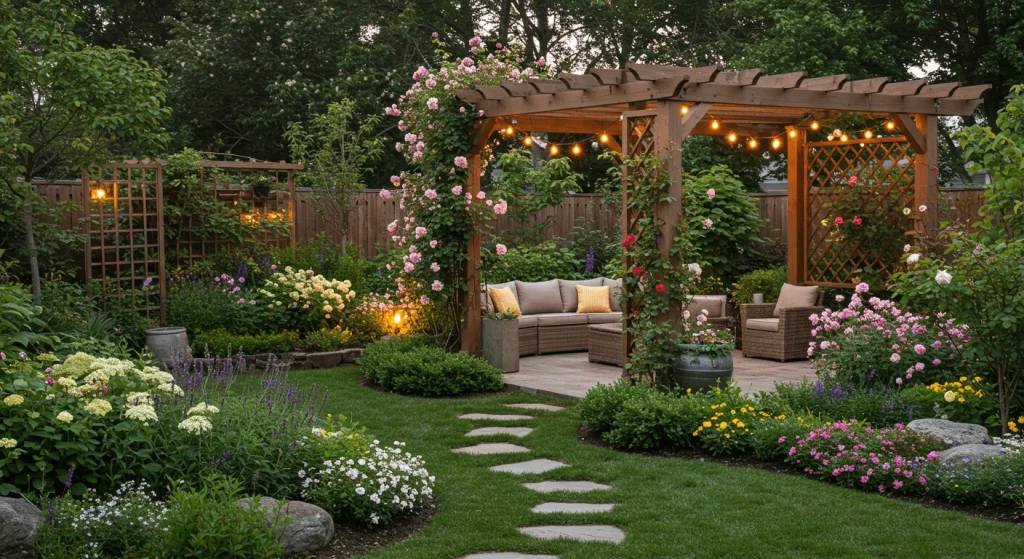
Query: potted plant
(705, 359)
(261, 186)
(501, 341)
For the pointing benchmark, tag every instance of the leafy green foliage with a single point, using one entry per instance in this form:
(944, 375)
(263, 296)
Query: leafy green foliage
(767, 282)
(221, 343)
(876, 407)
(327, 339)
(542, 262)
(529, 189)
(989, 481)
(414, 366)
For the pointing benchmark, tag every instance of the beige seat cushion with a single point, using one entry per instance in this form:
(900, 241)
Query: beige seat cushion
(763, 324)
(606, 328)
(561, 319)
(487, 297)
(715, 305)
(504, 300)
(567, 289)
(539, 297)
(604, 318)
(593, 299)
(616, 292)
(527, 321)
(796, 296)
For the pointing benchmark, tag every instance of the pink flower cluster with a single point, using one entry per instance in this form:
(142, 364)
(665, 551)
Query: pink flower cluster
(856, 455)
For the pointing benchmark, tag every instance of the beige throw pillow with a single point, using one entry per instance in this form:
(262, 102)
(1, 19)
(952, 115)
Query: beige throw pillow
(593, 299)
(796, 296)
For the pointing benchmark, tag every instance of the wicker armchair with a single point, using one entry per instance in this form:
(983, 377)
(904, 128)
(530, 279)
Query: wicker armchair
(791, 339)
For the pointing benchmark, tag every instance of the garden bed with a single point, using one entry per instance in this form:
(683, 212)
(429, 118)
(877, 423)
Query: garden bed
(296, 359)
(354, 541)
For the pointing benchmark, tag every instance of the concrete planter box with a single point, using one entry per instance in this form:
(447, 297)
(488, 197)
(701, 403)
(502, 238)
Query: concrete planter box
(501, 344)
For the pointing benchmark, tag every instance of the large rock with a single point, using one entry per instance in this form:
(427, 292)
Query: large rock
(351, 354)
(325, 359)
(311, 527)
(19, 520)
(951, 432)
(970, 452)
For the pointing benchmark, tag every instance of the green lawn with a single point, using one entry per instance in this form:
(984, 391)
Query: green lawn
(667, 507)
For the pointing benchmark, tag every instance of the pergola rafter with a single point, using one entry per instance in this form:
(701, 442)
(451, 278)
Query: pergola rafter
(654, 108)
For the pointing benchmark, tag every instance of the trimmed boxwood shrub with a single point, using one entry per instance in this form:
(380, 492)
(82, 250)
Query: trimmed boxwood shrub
(414, 365)
(219, 342)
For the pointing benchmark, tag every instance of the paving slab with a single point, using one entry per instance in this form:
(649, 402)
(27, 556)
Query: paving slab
(572, 508)
(570, 486)
(529, 406)
(529, 467)
(495, 417)
(508, 555)
(491, 448)
(585, 533)
(488, 431)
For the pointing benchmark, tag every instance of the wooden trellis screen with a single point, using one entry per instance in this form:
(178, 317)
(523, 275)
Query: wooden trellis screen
(856, 206)
(124, 248)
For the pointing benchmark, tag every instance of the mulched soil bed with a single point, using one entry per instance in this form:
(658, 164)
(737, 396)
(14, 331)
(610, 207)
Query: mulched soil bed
(352, 541)
(1003, 513)
(504, 390)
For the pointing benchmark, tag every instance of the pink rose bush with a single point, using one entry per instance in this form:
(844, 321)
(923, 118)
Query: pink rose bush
(878, 344)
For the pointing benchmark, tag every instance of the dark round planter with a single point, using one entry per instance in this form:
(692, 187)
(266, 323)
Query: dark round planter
(701, 372)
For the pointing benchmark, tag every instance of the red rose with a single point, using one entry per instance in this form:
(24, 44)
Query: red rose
(637, 271)
(857, 221)
(660, 288)
(629, 240)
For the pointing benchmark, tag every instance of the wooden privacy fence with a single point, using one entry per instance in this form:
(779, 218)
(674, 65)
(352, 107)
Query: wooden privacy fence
(369, 214)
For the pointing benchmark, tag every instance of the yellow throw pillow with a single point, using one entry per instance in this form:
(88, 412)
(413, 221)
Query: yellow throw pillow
(504, 300)
(593, 299)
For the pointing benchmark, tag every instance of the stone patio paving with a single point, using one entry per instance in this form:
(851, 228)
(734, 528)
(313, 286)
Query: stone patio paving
(571, 375)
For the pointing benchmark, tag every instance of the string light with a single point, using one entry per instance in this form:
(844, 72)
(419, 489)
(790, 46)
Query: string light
(554, 149)
(576, 150)
(752, 142)
(683, 110)
(509, 131)
(792, 133)
(714, 124)
(776, 143)
(844, 138)
(731, 137)
(868, 134)
(528, 141)
(815, 126)
(890, 126)
(604, 138)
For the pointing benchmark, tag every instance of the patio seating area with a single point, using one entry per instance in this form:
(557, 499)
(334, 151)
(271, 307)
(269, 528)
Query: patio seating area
(571, 375)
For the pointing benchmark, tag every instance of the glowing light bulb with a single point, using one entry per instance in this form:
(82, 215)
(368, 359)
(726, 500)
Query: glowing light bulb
(868, 134)
(528, 141)
(554, 149)
(731, 137)
(752, 143)
(99, 194)
(792, 133)
(815, 126)
(776, 143)
(576, 150)
(398, 318)
(890, 126)
(684, 109)
(714, 125)
(604, 138)
(844, 138)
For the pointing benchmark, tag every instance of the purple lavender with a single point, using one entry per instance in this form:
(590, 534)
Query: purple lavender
(590, 260)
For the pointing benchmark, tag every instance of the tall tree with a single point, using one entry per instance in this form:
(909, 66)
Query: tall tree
(67, 104)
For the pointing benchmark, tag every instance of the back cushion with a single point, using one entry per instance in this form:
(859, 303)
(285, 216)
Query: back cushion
(509, 284)
(796, 296)
(714, 306)
(567, 288)
(504, 300)
(539, 297)
(616, 292)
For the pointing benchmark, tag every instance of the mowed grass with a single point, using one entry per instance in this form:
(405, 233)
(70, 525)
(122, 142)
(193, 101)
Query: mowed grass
(667, 507)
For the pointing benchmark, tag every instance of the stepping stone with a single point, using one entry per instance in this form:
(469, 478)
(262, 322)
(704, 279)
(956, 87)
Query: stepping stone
(587, 533)
(491, 448)
(487, 431)
(572, 508)
(508, 555)
(494, 417)
(543, 407)
(530, 467)
(570, 486)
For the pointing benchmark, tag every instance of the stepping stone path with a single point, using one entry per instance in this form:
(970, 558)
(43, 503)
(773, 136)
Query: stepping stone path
(494, 417)
(568, 486)
(530, 467)
(506, 555)
(542, 407)
(488, 431)
(583, 533)
(588, 533)
(572, 508)
(491, 448)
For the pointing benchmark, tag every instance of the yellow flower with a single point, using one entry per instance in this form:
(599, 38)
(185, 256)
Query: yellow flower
(98, 407)
(8, 443)
(65, 417)
(727, 435)
(14, 400)
(707, 424)
(949, 396)
(723, 425)
(960, 399)
(963, 379)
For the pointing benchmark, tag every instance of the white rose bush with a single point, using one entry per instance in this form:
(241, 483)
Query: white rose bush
(303, 300)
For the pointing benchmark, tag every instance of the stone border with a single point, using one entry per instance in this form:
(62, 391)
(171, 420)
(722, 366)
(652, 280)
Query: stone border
(300, 360)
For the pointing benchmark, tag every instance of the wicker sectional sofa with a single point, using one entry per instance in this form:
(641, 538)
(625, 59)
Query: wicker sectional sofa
(549, 321)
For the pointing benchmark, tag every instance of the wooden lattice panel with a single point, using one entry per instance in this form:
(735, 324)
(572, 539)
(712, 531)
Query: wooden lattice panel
(231, 186)
(124, 253)
(857, 198)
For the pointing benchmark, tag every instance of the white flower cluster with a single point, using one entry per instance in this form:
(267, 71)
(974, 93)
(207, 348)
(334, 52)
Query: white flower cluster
(302, 289)
(386, 482)
(1011, 443)
(197, 421)
(129, 510)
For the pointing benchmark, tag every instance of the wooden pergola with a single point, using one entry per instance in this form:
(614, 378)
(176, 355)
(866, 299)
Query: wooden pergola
(653, 109)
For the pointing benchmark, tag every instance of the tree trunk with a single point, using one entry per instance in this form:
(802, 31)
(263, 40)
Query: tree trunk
(28, 221)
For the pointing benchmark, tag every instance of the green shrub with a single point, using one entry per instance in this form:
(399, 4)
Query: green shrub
(413, 366)
(20, 322)
(542, 262)
(989, 481)
(220, 343)
(203, 302)
(327, 339)
(650, 419)
(879, 407)
(207, 522)
(768, 282)
(598, 407)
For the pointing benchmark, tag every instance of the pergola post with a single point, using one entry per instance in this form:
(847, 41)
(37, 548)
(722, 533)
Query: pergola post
(472, 327)
(926, 176)
(796, 206)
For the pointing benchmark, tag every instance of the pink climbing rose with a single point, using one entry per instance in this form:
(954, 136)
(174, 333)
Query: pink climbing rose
(461, 161)
(500, 249)
(708, 223)
(437, 285)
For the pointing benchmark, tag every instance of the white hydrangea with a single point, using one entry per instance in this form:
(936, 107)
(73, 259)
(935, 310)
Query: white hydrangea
(195, 424)
(202, 408)
(143, 413)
